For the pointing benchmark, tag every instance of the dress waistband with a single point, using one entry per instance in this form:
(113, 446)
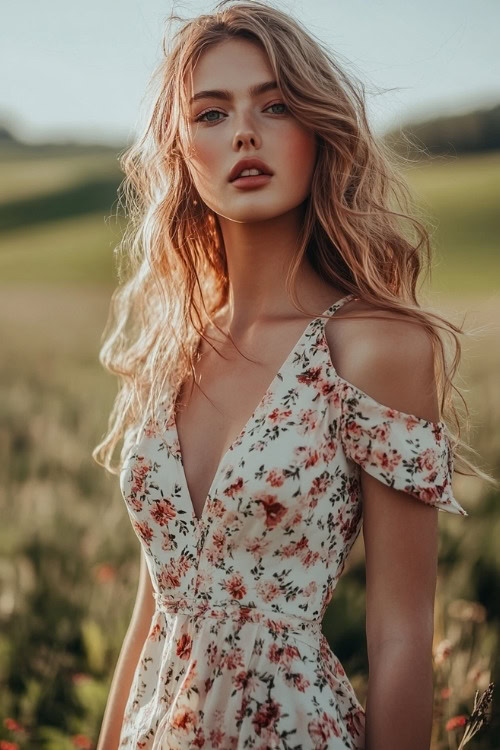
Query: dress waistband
(281, 623)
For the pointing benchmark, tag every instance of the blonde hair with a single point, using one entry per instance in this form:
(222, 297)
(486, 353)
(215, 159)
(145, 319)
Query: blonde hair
(177, 277)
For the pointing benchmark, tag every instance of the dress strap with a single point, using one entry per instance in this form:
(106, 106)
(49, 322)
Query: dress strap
(336, 306)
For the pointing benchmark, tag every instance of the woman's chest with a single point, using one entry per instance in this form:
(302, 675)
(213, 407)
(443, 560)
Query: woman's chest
(215, 408)
(285, 464)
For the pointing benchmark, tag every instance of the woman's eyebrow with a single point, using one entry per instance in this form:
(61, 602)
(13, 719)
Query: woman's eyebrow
(259, 88)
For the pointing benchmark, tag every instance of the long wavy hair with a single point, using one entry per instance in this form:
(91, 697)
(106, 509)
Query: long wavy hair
(360, 231)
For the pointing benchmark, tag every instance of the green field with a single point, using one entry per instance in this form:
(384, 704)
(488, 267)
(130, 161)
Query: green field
(69, 556)
(461, 198)
(458, 195)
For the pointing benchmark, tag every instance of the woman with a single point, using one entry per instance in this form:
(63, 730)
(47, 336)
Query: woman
(278, 392)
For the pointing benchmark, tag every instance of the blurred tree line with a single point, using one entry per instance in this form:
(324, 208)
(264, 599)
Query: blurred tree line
(473, 132)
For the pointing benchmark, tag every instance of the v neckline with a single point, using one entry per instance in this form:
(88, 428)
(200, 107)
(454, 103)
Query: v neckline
(198, 522)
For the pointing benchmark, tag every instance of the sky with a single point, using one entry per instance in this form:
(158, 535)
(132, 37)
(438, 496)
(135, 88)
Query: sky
(79, 71)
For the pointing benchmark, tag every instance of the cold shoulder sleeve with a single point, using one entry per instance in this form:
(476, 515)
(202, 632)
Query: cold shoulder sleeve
(402, 450)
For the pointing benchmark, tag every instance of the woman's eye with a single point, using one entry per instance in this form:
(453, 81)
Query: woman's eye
(208, 112)
(278, 104)
(201, 117)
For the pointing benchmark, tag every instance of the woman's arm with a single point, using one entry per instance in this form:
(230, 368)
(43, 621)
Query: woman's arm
(133, 643)
(393, 362)
(400, 536)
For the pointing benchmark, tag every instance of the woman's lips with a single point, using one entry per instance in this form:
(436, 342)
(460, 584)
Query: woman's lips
(252, 181)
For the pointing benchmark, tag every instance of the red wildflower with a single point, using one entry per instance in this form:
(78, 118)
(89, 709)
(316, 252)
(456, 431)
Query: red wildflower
(12, 725)
(81, 740)
(455, 722)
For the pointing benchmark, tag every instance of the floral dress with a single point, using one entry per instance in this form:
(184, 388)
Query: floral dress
(235, 657)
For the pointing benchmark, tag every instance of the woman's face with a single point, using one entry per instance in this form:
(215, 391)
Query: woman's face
(227, 130)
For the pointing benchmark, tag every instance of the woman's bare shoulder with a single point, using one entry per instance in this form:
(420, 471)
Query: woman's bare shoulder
(386, 355)
(359, 323)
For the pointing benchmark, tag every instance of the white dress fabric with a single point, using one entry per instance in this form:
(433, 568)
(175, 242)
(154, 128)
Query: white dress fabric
(235, 658)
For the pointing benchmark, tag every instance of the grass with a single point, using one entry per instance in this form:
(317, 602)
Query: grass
(70, 250)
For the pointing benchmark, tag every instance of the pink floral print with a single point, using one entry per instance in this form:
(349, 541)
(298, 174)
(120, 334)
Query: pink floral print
(235, 657)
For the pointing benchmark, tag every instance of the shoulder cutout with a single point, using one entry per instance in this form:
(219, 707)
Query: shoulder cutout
(383, 374)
